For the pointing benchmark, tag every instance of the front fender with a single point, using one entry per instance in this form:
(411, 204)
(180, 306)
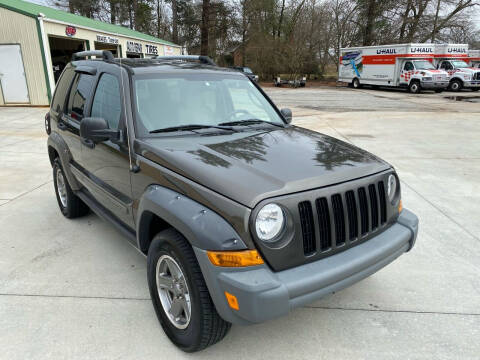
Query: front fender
(56, 142)
(202, 227)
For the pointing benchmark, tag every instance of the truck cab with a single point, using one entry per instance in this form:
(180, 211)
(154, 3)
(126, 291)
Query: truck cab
(419, 74)
(461, 74)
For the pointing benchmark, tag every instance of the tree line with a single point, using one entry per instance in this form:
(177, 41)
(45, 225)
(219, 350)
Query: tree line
(287, 36)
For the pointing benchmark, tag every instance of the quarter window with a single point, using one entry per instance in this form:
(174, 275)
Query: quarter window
(81, 91)
(106, 103)
(61, 90)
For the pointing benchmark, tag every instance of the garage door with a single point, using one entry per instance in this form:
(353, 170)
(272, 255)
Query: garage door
(12, 75)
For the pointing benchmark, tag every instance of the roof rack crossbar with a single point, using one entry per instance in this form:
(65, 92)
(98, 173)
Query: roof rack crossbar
(201, 58)
(105, 54)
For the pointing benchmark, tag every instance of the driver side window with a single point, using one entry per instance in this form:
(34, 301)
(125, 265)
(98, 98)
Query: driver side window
(408, 66)
(106, 103)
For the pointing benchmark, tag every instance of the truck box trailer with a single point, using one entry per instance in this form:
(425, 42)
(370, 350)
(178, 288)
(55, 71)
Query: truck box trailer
(404, 65)
(455, 60)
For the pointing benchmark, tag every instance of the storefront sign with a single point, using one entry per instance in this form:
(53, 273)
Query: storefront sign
(151, 49)
(70, 30)
(107, 39)
(134, 47)
(168, 50)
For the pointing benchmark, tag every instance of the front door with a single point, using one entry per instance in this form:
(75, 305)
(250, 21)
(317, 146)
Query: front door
(12, 75)
(107, 163)
(408, 70)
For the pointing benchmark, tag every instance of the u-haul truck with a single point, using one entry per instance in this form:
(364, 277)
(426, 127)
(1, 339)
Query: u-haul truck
(454, 59)
(406, 65)
(474, 58)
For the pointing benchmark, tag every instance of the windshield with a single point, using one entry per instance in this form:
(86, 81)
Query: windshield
(247, 70)
(459, 64)
(171, 100)
(423, 65)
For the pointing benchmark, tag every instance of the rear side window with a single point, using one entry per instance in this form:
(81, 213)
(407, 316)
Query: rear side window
(81, 91)
(61, 90)
(106, 103)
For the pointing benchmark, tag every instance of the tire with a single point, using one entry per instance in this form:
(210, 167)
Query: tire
(414, 87)
(438, 91)
(455, 85)
(356, 83)
(70, 204)
(204, 326)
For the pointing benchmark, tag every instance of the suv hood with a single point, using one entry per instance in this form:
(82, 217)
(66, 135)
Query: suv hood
(254, 165)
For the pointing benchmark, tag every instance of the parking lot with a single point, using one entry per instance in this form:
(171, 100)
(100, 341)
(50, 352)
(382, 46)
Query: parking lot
(77, 289)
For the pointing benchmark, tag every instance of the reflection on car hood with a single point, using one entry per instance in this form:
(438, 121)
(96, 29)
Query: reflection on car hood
(251, 166)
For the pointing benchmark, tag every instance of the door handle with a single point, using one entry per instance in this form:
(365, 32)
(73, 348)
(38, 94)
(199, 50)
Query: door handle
(88, 143)
(61, 125)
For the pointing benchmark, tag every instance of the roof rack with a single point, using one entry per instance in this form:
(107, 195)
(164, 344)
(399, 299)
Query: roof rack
(201, 58)
(105, 54)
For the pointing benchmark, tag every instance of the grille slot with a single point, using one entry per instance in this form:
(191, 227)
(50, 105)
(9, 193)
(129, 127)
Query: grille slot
(362, 200)
(373, 206)
(324, 224)
(352, 215)
(308, 229)
(339, 219)
(383, 203)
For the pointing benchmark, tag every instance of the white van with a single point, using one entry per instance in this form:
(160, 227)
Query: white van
(474, 58)
(405, 65)
(455, 60)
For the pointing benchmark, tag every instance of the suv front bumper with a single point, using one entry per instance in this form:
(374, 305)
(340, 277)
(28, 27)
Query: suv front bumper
(263, 294)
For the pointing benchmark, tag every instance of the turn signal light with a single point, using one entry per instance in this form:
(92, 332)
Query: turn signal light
(400, 206)
(235, 258)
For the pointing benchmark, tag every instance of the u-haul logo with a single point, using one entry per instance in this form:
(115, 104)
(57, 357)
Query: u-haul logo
(456, 50)
(422, 50)
(386, 51)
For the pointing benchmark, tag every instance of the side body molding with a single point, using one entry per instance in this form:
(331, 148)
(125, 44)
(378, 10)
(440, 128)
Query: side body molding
(55, 141)
(202, 227)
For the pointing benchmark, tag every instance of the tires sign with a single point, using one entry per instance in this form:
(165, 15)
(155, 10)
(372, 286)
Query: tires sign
(70, 30)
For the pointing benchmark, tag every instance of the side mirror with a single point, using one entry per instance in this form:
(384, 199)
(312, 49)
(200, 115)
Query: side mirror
(287, 115)
(97, 130)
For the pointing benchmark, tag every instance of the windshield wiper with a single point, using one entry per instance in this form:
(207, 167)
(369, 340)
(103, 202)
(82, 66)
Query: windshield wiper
(190, 127)
(250, 122)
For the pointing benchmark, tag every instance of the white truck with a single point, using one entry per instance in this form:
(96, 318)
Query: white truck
(404, 65)
(455, 59)
(474, 58)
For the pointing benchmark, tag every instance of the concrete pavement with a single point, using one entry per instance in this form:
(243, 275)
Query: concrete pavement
(77, 289)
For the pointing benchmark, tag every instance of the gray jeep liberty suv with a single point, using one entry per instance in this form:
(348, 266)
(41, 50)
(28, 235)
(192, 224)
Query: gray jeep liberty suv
(242, 216)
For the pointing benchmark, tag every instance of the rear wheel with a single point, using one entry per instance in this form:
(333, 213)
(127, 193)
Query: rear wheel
(180, 296)
(414, 87)
(456, 85)
(70, 204)
(356, 83)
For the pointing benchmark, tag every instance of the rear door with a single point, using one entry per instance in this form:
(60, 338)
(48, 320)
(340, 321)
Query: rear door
(69, 119)
(107, 163)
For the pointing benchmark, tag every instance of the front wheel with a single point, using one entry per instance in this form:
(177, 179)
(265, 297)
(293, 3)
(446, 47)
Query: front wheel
(456, 85)
(414, 87)
(180, 296)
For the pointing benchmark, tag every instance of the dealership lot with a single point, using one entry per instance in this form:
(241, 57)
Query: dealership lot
(76, 289)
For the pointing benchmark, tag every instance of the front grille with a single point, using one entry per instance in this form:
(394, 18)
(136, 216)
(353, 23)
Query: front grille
(342, 218)
(476, 76)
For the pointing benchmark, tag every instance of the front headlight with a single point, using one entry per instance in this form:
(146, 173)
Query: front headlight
(392, 188)
(269, 222)
(426, 78)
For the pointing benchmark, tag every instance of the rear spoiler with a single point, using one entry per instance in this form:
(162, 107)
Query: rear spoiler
(104, 54)
(201, 58)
